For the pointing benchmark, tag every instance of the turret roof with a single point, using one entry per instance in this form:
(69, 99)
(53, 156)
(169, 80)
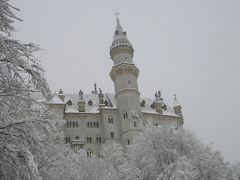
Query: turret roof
(119, 33)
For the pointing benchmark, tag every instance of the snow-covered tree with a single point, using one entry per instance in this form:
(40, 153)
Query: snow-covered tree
(79, 166)
(25, 133)
(168, 153)
(117, 163)
(20, 71)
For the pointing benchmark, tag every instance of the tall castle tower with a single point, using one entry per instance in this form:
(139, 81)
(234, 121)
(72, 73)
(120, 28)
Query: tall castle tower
(124, 74)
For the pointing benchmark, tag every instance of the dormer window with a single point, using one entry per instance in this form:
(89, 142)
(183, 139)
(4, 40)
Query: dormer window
(153, 105)
(106, 103)
(116, 32)
(69, 102)
(143, 103)
(164, 107)
(90, 103)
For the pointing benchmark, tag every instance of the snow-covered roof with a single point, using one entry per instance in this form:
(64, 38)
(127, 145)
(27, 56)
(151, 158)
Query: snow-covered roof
(74, 98)
(94, 108)
(147, 107)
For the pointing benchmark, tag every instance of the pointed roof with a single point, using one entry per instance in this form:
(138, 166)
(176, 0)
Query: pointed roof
(175, 101)
(118, 26)
(119, 33)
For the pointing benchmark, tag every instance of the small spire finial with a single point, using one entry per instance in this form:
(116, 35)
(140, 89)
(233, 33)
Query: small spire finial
(175, 101)
(95, 87)
(80, 94)
(116, 14)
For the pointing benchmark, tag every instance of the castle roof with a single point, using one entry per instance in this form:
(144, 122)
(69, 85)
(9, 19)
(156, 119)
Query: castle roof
(112, 105)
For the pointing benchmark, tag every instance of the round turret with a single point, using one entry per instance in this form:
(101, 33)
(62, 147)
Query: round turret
(120, 43)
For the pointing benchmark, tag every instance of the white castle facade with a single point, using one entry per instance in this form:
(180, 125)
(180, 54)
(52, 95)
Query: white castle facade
(96, 118)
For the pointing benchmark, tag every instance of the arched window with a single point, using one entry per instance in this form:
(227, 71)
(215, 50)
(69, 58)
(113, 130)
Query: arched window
(77, 137)
(89, 139)
(110, 120)
(73, 124)
(70, 124)
(91, 124)
(94, 124)
(88, 124)
(128, 141)
(97, 125)
(112, 134)
(125, 115)
(89, 153)
(98, 139)
(76, 124)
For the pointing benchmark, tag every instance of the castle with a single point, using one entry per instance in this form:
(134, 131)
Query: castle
(96, 118)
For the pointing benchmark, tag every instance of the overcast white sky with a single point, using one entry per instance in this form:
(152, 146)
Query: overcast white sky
(187, 47)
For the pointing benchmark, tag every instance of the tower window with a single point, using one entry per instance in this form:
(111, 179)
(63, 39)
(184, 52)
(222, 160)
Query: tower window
(112, 134)
(129, 82)
(135, 124)
(128, 141)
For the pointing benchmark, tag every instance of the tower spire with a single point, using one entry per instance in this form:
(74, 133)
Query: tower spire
(177, 107)
(118, 25)
(175, 101)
